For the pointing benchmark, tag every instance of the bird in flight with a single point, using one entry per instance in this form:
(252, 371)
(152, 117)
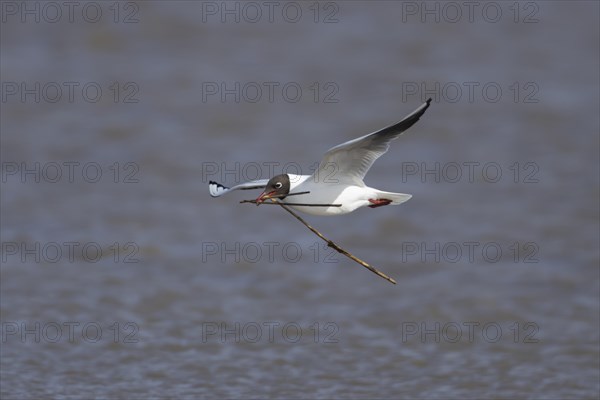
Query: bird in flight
(337, 186)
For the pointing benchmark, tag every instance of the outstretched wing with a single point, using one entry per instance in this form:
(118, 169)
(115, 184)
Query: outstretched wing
(350, 161)
(216, 189)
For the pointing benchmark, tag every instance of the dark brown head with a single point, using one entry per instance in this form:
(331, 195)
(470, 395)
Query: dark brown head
(277, 186)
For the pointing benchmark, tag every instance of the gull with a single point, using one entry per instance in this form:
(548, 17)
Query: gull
(337, 185)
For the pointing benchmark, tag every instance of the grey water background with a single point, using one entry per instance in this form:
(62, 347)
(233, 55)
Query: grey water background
(236, 301)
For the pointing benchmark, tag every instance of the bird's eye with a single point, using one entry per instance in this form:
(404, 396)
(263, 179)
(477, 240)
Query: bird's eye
(278, 185)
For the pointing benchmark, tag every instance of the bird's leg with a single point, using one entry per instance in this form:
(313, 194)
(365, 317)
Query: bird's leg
(379, 202)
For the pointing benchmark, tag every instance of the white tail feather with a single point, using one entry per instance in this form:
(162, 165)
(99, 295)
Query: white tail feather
(396, 198)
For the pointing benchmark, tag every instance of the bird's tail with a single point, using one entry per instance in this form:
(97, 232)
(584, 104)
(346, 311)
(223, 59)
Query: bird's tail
(396, 198)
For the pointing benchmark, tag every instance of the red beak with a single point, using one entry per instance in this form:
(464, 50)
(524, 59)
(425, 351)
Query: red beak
(264, 196)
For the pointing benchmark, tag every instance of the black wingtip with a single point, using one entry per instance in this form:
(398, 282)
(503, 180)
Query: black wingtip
(218, 184)
(408, 121)
(427, 104)
(214, 193)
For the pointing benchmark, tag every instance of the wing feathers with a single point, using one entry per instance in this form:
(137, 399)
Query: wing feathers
(216, 189)
(353, 159)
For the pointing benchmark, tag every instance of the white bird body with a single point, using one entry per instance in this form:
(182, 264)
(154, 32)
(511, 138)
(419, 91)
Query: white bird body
(337, 186)
(349, 196)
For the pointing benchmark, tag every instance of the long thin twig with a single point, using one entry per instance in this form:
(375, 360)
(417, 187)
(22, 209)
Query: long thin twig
(334, 245)
(292, 204)
(281, 196)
